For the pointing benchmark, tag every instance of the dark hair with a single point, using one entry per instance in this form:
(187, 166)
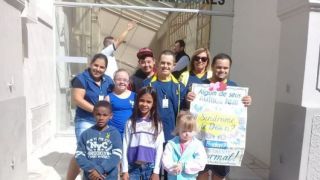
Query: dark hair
(168, 52)
(104, 104)
(154, 117)
(99, 56)
(196, 52)
(181, 43)
(221, 56)
(106, 40)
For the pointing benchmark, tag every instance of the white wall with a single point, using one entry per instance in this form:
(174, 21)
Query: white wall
(221, 35)
(289, 122)
(292, 57)
(255, 46)
(290, 116)
(39, 74)
(222, 29)
(11, 51)
(311, 99)
(311, 95)
(295, 144)
(13, 164)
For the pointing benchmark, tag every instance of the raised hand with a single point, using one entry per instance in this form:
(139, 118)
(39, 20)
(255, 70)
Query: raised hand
(131, 25)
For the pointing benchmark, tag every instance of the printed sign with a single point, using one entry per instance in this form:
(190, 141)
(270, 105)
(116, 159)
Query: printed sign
(221, 120)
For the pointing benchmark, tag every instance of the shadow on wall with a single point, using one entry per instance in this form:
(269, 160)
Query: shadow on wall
(58, 161)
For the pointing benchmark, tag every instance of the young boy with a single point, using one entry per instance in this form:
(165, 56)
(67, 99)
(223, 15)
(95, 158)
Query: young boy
(99, 148)
(146, 69)
(170, 92)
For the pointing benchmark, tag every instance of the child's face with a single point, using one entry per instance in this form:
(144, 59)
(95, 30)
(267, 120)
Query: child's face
(145, 104)
(221, 69)
(185, 135)
(121, 80)
(146, 65)
(165, 65)
(102, 116)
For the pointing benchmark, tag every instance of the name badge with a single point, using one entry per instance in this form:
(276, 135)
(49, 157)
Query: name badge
(101, 97)
(165, 103)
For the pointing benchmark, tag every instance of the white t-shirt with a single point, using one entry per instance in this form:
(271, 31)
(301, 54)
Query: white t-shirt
(112, 63)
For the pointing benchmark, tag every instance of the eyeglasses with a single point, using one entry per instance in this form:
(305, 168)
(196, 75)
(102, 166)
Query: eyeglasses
(198, 58)
(122, 80)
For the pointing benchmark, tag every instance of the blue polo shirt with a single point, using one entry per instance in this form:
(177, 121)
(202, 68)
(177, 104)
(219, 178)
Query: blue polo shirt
(175, 92)
(192, 78)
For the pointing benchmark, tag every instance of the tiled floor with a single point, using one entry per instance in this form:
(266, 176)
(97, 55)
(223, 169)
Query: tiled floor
(51, 163)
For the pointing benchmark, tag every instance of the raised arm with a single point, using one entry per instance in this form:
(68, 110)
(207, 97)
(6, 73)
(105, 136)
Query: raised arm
(124, 34)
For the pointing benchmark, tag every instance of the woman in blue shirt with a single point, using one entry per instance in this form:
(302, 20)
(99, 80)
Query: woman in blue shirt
(88, 88)
(198, 69)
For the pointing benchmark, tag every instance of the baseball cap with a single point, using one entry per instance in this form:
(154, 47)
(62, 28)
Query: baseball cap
(144, 52)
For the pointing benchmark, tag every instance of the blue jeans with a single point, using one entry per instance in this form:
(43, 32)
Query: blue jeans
(82, 125)
(140, 171)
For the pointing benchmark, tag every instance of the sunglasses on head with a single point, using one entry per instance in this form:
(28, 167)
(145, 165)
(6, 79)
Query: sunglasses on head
(203, 59)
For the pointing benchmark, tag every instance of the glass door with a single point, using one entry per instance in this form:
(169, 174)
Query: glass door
(73, 47)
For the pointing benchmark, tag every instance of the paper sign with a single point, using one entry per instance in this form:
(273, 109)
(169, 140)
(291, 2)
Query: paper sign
(221, 120)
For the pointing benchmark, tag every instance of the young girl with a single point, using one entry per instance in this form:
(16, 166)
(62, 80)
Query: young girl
(143, 139)
(184, 155)
(121, 100)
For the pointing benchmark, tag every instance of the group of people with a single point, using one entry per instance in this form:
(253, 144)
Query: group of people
(142, 121)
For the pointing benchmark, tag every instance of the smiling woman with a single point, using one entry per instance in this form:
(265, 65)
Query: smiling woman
(88, 88)
(121, 100)
(198, 68)
(98, 66)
